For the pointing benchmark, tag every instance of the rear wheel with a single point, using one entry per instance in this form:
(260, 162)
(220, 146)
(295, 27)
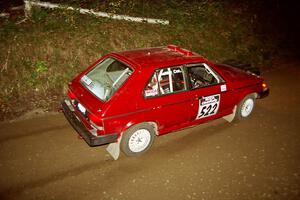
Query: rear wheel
(245, 107)
(137, 139)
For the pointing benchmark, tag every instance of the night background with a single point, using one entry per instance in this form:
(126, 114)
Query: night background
(40, 156)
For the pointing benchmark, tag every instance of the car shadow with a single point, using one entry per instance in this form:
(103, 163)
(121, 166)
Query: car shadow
(190, 137)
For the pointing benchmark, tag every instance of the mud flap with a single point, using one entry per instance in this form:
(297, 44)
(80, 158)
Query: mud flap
(114, 148)
(230, 117)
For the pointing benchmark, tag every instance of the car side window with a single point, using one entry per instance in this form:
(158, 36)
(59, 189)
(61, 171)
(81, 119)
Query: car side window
(178, 79)
(165, 81)
(201, 76)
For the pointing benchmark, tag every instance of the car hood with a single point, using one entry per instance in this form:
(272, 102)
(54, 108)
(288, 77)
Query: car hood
(237, 77)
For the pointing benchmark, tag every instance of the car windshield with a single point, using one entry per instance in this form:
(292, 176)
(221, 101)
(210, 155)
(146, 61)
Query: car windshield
(106, 78)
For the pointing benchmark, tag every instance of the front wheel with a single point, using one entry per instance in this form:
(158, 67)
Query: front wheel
(137, 139)
(245, 107)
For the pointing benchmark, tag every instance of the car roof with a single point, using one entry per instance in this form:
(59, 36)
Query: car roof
(157, 57)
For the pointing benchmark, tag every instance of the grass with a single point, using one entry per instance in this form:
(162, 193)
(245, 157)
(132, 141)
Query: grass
(40, 56)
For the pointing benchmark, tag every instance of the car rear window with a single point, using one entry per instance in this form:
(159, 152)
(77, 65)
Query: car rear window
(106, 78)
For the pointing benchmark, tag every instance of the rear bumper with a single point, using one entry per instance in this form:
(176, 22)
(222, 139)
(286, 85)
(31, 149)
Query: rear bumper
(264, 93)
(90, 139)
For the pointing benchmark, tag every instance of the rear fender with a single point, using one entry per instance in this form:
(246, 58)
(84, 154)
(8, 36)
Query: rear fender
(133, 123)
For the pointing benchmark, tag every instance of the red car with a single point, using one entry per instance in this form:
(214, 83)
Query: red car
(132, 96)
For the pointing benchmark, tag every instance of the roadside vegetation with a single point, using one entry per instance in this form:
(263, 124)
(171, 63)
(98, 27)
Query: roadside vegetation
(41, 55)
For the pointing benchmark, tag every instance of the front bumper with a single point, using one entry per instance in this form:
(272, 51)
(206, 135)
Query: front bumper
(90, 139)
(264, 93)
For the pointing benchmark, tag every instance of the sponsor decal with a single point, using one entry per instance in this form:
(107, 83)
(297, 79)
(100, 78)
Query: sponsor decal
(86, 80)
(223, 88)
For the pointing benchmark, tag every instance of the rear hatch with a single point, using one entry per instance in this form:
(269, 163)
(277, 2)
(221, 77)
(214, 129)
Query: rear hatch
(99, 84)
(85, 98)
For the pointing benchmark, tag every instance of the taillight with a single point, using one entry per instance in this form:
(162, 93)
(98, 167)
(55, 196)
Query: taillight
(95, 121)
(71, 95)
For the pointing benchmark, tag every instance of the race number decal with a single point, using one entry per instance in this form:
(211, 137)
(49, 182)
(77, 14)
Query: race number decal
(208, 106)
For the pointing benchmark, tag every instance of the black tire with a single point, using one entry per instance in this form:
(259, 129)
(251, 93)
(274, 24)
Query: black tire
(130, 143)
(245, 107)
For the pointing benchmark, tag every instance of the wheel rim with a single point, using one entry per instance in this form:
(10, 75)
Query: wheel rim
(247, 107)
(139, 140)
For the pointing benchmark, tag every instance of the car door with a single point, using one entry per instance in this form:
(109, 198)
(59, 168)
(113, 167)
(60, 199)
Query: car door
(208, 90)
(167, 97)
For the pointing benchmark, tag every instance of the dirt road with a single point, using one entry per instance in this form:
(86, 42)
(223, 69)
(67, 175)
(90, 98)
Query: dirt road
(254, 159)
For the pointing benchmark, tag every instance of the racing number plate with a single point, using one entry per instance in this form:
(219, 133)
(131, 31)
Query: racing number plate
(81, 108)
(208, 106)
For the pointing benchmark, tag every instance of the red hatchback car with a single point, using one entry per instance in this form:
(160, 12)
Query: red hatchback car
(132, 96)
